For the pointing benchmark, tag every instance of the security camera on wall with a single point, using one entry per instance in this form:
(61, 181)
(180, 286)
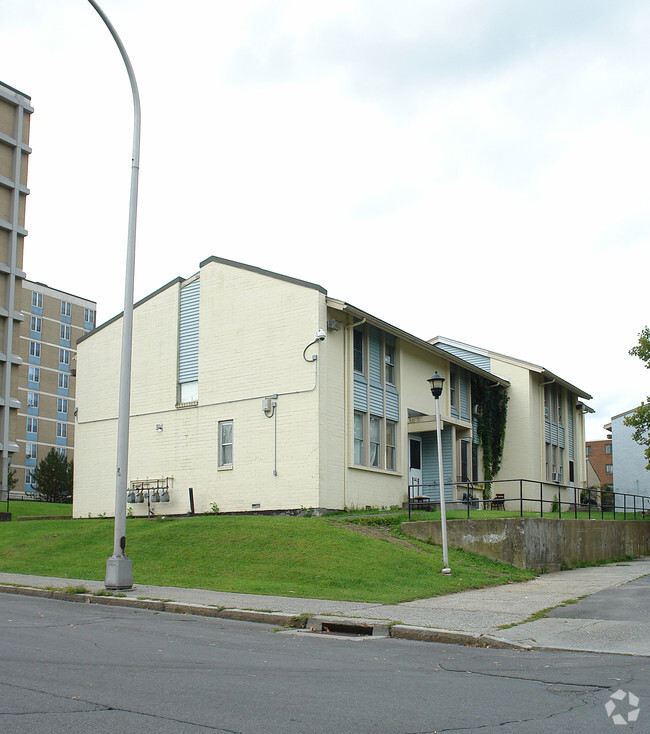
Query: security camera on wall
(320, 335)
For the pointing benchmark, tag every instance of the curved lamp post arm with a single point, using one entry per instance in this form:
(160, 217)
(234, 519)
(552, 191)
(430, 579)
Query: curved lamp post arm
(119, 573)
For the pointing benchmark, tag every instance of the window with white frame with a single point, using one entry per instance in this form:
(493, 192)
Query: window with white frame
(225, 443)
(63, 380)
(34, 374)
(65, 332)
(30, 450)
(66, 308)
(32, 424)
(64, 356)
(30, 479)
(391, 445)
(37, 299)
(89, 316)
(36, 324)
(375, 441)
(375, 398)
(32, 399)
(35, 349)
(61, 430)
(61, 451)
(608, 448)
(389, 360)
(62, 405)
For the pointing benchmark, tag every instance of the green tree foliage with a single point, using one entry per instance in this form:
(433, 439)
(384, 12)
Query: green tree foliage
(640, 419)
(492, 401)
(53, 478)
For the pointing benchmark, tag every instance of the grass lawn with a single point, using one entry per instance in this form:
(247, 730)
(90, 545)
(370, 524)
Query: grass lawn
(308, 557)
(34, 508)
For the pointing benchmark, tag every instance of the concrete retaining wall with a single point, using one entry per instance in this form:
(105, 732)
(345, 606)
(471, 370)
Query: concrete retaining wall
(539, 542)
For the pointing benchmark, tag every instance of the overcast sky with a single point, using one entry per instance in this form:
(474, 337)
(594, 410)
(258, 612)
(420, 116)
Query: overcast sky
(472, 169)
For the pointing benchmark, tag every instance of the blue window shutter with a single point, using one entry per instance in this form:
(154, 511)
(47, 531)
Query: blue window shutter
(188, 339)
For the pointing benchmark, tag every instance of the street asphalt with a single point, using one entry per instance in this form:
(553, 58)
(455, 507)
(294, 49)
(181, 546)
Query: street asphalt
(596, 609)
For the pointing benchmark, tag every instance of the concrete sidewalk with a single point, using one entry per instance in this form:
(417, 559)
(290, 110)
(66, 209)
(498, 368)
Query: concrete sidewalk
(469, 617)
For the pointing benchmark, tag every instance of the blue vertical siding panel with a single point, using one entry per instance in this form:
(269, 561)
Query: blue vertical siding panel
(374, 356)
(430, 464)
(464, 395)
(376, 400)
(392, 403)
(360, 393)
(570, 427)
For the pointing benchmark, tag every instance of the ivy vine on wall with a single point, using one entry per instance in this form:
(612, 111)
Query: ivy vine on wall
(491, 401)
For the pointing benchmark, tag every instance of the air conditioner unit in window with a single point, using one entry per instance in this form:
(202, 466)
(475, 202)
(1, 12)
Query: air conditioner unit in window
(557, 477)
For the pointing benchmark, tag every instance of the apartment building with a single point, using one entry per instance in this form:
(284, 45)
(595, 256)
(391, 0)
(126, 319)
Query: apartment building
(53, 321)
(15, 111)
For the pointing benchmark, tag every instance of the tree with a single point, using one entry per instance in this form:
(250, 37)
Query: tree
(53, 478)
(640, 419)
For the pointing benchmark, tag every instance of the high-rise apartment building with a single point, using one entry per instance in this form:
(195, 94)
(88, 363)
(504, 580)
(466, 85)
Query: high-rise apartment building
(53, 321)
(15, 111)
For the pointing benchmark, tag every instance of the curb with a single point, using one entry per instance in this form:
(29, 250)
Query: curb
(316, 623)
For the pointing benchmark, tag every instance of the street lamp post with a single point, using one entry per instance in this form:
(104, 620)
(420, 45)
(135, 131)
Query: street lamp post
(119, 572)
(436, 382)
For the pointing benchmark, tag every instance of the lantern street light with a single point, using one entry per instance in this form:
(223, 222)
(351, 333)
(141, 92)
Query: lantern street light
(436, 382)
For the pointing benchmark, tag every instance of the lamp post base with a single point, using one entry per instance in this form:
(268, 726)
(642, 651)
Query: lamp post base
(446, 571)
(119, 573)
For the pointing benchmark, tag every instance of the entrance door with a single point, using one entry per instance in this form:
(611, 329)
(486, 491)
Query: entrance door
(415, 464)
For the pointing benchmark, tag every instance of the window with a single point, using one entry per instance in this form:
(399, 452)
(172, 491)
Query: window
(66, 308)
(37, 299)
(30, 450)
(34, 374)
(588, 450)
(35, 349)
(62, 405)
(389, 359)
(359, 439)
(63, 380)
(32, 399)
(89, 316)
(609, 468)
(453, 392)
(64, 356)
(29, 478)
(357, 350)
(61, 430)
(36, 324)
(375, 441)
(65, 332)
(391, 445)
(61, 451)
(225, 443)
(32, 424)
(608, 448)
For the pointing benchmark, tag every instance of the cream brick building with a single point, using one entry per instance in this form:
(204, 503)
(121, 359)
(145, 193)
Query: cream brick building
(235, 397)
(15, 111)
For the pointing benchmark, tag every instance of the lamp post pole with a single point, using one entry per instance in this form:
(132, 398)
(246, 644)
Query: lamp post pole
(119, 572)
(436, 382)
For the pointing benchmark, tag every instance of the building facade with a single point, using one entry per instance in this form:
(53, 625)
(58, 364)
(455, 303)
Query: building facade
(15, 111)
(261, 393)
(630, 476)
(600, 457)
(545, 431)
(53, 321)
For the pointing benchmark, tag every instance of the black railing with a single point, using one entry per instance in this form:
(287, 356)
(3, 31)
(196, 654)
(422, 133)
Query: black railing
(522, 494)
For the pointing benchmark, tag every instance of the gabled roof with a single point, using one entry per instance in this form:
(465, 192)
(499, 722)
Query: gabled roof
(421, 343)
(546, 374)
